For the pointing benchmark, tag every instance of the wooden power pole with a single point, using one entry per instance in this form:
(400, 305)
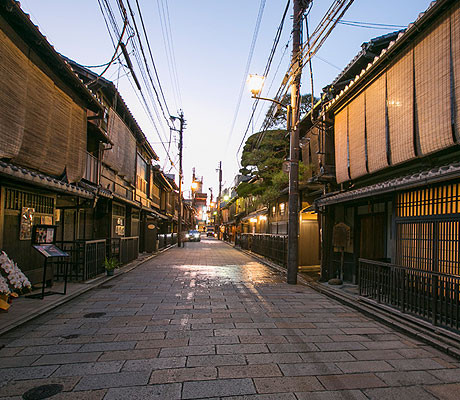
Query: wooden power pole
(293, 221)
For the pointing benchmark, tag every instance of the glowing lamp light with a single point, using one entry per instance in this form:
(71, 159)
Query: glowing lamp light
(255, 83)
(262, 217)
(194, 185)
(253, 220)
(226, 197)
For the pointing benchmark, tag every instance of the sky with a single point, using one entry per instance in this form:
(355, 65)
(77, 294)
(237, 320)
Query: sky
(204, 73)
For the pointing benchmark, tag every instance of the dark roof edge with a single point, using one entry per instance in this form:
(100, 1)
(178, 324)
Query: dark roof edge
(39, 179)
(21, 23)
(434, 175)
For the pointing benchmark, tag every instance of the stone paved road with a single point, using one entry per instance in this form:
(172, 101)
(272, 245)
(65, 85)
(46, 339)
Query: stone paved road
(209, 322)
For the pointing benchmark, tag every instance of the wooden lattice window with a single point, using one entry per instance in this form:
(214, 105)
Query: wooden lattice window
(16, 199)
(440, 200)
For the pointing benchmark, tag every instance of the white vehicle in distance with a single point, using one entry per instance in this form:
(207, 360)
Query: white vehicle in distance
(193, 236)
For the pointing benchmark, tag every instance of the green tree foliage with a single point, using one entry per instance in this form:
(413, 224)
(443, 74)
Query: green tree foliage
(279, 119)
(263, 156)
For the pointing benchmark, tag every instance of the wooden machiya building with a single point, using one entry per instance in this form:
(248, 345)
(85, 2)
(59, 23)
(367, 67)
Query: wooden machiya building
(392, 218)
(140, 210)
(72, 159)
(43, 136)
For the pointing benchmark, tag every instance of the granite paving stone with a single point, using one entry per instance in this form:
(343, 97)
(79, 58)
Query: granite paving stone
(150, 364)
(351, 381)
(219, 388)
(364, 366)
(445, 392)
(7, 374)
(409, 378)
(209, 322)
(183, 374)
(309, 369)
(82, 369)
(287, 384)
(153, 392)
(18, 388)
(119, 379)
(277, 396)
(409, 392)
(129, 354)
(415, 364)
(110, 346)
(18, 361)
(241, 348)
(83, 395)
(332, 395)
(249, 371)
(216, 360)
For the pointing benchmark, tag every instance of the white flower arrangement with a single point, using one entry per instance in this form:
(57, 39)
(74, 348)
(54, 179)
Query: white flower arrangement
(4, 289)
(17, 279)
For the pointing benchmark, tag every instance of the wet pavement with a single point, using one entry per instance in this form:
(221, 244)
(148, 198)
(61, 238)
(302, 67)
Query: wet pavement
(207, 321)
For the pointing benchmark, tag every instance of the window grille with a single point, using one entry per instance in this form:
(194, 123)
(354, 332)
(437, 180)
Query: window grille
(16, 199)
(440, 200)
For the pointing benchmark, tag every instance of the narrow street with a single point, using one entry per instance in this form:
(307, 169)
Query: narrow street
(209, 322)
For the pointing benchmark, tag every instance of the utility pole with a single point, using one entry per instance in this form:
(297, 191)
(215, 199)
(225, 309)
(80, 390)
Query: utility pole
(179, 222)
(219, 216)
(293, 221)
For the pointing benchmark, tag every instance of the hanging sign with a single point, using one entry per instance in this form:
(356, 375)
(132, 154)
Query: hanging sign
(27, 219)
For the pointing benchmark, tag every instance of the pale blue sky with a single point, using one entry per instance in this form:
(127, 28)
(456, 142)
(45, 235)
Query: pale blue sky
(211, 42)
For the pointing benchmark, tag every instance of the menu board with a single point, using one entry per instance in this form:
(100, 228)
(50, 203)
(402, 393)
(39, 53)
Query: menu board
(50, 250)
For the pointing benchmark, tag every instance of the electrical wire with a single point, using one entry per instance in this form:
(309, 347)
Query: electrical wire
(168, 46)
(146, 63)
(141, 62)
(311, 47)
(248, 64)
(266, 71)
(370, 24)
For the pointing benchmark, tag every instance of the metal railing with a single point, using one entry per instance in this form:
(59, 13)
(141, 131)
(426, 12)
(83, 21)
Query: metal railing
(429, 295)
(85, 261)
(268, 245)
(166, 239)
(124, 249)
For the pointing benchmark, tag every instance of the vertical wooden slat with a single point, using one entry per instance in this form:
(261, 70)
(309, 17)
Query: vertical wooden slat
(356, 134)
(432, 87)
(400, 108)
(13, 94)
(376, 125)
(341, 148)
(455, 53)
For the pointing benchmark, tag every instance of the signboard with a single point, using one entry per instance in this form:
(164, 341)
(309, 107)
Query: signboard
(50, 250)
(44, 234)
(341, 235)
(27, 219)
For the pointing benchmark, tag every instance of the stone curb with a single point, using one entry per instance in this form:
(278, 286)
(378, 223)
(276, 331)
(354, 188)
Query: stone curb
(449, 343)
(93, 283)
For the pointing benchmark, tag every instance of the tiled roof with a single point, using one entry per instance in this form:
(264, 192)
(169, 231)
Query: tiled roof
(31, 35)
(36, 178)
(434, 175)
(402, 36)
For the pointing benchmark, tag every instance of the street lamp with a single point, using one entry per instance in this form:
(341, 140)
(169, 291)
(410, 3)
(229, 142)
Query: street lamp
(255, 84)
(194, 185)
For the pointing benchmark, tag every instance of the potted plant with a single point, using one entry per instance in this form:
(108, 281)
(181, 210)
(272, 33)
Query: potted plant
(110, 264)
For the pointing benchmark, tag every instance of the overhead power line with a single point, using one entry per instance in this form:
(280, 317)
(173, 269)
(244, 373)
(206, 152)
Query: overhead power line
(248, 64)
(266, 71)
